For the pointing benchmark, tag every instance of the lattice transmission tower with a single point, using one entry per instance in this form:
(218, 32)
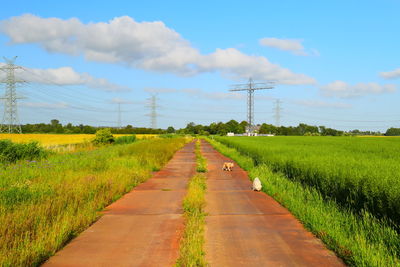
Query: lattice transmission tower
(250, 87)
(277, 110)
(10, 123)
(153, 111)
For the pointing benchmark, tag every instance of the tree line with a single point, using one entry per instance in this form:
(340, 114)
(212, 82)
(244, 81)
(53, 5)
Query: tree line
(56, 127)
(233, 126)
(215, 128)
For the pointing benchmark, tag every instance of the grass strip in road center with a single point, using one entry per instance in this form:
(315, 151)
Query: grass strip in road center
(201, 161)
(192, 244)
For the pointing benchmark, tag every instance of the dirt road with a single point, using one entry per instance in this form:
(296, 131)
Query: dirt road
(143, 228)
(247, 228)
(243, 228)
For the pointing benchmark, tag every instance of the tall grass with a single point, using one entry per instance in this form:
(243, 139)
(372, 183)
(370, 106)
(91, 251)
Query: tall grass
(359, 239)
(44, 204)
(192, 244)
(357, 173)
(125, 139)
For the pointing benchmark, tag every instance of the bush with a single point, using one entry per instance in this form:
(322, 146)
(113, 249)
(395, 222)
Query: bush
(103, 137)
(11, 152)
(125, 139)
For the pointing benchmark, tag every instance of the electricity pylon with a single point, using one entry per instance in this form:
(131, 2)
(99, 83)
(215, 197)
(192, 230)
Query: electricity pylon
(250, 87)
(10, 122)
(278, 110)
(153, 111)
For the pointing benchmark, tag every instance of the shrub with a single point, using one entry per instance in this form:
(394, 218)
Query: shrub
(11, 152)
(103, 137)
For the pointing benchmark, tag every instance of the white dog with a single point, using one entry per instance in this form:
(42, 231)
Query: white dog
(257, 184)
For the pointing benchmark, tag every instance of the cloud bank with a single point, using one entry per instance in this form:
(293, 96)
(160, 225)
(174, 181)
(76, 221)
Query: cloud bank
(344, 90)
(143, 45)
(65, 76)
(390, 74)
(294, 46)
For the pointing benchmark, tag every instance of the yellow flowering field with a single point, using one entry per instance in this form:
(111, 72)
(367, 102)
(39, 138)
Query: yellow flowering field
(60, 139)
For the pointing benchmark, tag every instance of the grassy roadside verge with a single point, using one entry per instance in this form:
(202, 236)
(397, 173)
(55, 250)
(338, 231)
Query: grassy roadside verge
(191, 252)
(43, 204)
(360, 240)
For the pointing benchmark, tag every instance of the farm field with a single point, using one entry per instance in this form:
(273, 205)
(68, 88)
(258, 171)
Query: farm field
(358, 173)
(60, 139)
(305, 174)
(45, 203)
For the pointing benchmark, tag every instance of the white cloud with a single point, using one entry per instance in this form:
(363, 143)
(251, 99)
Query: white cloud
(322, 104)
(292, 45)
(236, 64)
(390, 74)
(344, 90)
(144, 45)
(64, 76)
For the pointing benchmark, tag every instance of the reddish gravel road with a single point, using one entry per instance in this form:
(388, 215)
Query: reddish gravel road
(143, 228)
(247, 228)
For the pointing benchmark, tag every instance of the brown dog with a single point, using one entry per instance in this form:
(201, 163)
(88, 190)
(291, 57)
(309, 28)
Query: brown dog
(228, 166)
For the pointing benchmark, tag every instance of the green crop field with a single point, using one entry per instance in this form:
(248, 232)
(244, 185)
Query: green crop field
(46, 202)
(360, 173)
(346, 190)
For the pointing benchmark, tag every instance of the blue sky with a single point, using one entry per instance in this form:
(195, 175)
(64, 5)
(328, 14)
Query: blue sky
(334, 63)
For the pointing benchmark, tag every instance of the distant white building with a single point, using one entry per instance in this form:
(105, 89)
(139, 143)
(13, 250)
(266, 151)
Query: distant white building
(230, 134)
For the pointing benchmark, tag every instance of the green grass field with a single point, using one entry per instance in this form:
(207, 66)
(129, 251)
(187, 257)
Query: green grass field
(335, 186)
(44, 203)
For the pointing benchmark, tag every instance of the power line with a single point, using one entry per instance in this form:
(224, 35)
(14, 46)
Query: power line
(10, 122)
(250, 87)
(47, 81)
(119, 116)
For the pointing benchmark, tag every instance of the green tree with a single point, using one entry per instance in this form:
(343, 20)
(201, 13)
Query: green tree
(392, 132)
(170, 129)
